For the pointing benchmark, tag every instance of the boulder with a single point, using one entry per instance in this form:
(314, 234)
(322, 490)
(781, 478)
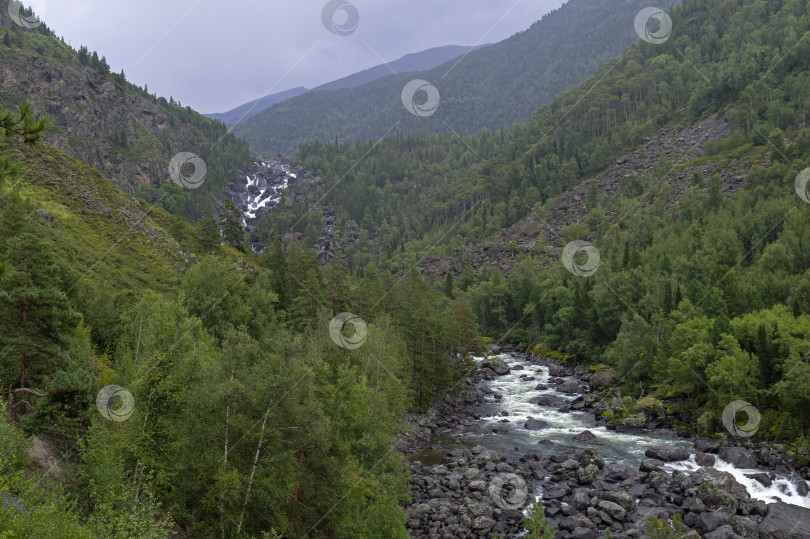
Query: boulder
(785, 521)
(588, 474)
(716, 489)
(635, 421)
(549, 400)
(739, 457)
(583, 533)
(584, 437)
(569, 387)
(709, 521)
(591, 456)
(704, 459)
(744, 527)
(667, 453)
(651, 408)
(613, 509)
(707, 445)
(763, 478)
(723, 532)
(535, 424)
(483, 523)
(623, 498)
(651, 465)
(497, 365)
(604, 378)
(575, 521)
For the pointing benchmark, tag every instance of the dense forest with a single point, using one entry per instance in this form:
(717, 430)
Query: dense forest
(699, 297)
(244, 401)
(489, 88)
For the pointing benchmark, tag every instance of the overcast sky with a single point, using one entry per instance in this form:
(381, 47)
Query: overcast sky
(215, 55)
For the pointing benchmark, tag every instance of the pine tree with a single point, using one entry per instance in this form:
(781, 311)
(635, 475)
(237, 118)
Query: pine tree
(276, 260)
(6, 40)
(208, 232)
(305, 285)
(36, 318)
(667, 305)
(448, 285)
(231, 224)
(715, 191)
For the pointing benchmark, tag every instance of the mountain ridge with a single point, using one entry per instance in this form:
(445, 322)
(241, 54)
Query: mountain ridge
(415, 61)
(491, 88)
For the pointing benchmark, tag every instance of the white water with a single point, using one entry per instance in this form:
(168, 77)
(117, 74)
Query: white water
(520, 401)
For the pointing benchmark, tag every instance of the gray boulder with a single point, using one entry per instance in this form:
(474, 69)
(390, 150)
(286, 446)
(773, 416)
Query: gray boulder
(709, 521)
(497, 365)
(604, 378)
(613, 509)
(483, 523)
(723, 532)
(704, 459)
(739, 457)
(623, 498)
(785, 521)
(584, 437)
(588, 474)
(535, 424)
(570, 387)
(667, 453)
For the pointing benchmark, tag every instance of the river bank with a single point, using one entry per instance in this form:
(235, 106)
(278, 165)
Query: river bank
(525, 426)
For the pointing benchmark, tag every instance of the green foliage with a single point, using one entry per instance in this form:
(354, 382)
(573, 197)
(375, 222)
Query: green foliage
(665, 529)
(231, 224)
(537, 523)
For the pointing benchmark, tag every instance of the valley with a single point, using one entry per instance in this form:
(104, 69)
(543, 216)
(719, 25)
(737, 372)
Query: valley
(559, 290)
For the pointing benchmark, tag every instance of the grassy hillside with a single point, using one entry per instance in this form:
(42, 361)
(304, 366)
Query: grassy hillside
(490, 88)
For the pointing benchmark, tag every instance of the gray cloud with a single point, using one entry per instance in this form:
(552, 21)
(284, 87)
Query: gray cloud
(215, 55)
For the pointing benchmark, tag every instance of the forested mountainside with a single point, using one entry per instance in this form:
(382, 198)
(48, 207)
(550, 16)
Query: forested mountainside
(218, 351)
(122, 130)
(162, 378)
(489, 88)
(417, 61)
(693, 147)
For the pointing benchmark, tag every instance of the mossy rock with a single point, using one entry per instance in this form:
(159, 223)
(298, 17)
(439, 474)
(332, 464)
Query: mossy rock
(706, 424)
(604, 378)
(651, 407)
(636, 420)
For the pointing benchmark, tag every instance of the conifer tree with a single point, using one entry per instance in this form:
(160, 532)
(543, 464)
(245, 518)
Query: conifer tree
(208, 231)
(231, 224)
(36, 318)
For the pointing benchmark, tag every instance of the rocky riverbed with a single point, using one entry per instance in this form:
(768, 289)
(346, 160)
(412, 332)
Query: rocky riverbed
(526, 427)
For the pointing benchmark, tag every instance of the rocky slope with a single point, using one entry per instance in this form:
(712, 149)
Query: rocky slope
(684, 148)
(121, 130)
(475, 492)
(679, 147)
